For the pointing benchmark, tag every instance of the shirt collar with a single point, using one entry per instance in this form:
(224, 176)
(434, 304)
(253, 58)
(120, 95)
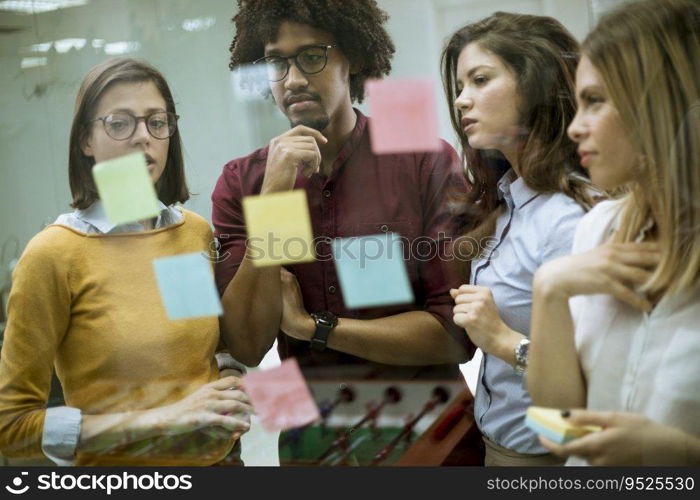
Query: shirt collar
(514, 190)
(96, 216)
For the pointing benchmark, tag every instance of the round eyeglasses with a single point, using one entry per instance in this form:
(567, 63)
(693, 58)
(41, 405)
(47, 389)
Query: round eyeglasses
(121, 126)
(310, 60)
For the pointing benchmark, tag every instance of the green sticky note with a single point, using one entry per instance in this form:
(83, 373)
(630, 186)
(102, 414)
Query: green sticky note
(279, 228)
(126, 189)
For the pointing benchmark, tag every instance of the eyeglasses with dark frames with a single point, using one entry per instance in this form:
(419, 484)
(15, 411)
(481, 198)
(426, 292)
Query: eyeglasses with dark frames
(309, 60)
(121, 126)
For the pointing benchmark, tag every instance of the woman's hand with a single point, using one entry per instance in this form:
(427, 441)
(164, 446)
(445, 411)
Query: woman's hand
(219, 403)
(627, 439)
(612, 268)
(476, 312)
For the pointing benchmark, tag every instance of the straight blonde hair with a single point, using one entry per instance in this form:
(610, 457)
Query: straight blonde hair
(648, 53)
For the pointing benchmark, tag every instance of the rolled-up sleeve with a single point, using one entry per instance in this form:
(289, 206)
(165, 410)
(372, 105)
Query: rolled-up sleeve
(443, 183)
(229, 224)
(61, 433)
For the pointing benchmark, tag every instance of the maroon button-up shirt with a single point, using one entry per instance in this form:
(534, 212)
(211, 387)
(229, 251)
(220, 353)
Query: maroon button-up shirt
(364, 194)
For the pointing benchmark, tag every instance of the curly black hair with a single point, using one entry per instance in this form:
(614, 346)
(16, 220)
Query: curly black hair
(357, 26)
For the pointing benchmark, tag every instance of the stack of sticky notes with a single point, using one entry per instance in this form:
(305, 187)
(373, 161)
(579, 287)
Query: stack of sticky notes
(280, 397)
(126, 189)
(403, 116)
(549, 423)
(371, 271)
(279, 228)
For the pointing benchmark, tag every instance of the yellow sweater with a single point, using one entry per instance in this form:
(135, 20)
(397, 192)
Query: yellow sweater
(89, 304)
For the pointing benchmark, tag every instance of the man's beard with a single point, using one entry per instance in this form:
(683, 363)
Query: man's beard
(319, 122)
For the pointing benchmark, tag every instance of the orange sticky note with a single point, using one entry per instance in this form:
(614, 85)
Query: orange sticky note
(403, 116)
(280, 397)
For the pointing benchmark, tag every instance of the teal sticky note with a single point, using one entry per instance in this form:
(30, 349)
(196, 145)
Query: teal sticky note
(186, 284)
(126, 189)
(371, 271)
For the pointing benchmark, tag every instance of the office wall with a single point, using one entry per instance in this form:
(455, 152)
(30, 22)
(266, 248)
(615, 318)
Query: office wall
(188, 40)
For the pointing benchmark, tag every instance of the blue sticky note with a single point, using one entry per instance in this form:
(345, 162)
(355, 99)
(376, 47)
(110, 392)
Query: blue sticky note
(187, 288)
(371, 271)
(550, 434)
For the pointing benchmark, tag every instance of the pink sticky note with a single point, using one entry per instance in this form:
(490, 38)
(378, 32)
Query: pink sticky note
(403, 116)
(280, 397)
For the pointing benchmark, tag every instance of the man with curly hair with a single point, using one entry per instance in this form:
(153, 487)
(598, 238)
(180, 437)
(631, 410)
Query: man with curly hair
(318, 55)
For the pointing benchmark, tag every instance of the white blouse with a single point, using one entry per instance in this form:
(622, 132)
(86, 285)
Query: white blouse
(633, 361)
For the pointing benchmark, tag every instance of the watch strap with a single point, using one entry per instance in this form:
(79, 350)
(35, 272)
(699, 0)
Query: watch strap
(323, 331)
(521, 350)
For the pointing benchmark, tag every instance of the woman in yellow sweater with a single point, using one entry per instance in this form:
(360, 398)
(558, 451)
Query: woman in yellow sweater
(139, 389)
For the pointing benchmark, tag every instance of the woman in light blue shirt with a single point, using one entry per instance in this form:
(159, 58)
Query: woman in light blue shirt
(510, 81)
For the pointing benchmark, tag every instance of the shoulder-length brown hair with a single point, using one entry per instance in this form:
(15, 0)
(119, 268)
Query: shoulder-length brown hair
(171, 187)
(542, 55)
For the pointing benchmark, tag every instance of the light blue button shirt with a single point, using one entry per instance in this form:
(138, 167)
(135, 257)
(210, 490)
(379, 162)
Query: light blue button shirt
(533, 229)
(93, 220)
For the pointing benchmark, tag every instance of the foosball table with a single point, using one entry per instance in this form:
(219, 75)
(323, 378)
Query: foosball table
(381, 423)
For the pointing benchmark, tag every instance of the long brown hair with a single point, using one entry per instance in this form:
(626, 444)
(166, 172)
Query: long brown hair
(543, 56)
(171, 187)
(648, 55)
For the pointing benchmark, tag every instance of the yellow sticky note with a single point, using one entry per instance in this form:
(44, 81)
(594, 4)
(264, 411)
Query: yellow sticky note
(126, 189)
(550, 423)
(279, 228)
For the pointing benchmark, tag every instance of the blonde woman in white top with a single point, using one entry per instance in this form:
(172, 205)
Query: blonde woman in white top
(616, 326)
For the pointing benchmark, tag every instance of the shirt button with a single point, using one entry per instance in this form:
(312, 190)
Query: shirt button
(384, 228)
(326, 193)
(331, 289)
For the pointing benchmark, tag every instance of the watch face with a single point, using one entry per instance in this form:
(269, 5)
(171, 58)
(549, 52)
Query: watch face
(327, 318)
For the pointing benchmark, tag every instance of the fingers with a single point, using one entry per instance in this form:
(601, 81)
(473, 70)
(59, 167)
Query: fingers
(626, 295)
(602, 419)
(634, 275)
(230, 372)
(581, 447)
(233, 396)
(461, 320)
(230, 422)
(645, 255)
(647, 260)
(469, 290)
(225, 383)
(303, 130)
(555, 448)
(461, 309)
(470, 298)
(229, 407)
(309, 169)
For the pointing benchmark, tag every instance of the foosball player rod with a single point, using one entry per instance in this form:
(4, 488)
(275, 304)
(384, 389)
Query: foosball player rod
(440, 395)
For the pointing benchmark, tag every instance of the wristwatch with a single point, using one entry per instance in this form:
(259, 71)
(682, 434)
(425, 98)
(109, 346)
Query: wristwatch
(325, 322)
(521, 356)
